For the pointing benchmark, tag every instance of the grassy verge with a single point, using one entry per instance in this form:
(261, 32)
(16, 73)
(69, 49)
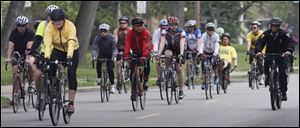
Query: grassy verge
(4, 102)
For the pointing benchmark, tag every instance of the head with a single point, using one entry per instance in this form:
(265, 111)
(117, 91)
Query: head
(58, 17)
(275, 24)
(123, 22)
(225, 39)
(49, 9)
(255, 25)
(137, 24)
(220, 31)
(173, 22)
(103, 29)
(210, 28)
(163, 24)
(190, 25)
(21, 22)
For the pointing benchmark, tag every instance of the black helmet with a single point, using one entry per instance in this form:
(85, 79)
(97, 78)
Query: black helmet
(137, 20)
(226, 34)
(276, 21)
(124, 18)
(58, 14)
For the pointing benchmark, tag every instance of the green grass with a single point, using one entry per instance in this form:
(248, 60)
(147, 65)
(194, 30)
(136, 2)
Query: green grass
(87, 75)
(4, 101)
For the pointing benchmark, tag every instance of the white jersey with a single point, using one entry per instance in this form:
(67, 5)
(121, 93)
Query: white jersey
(209, 44)
(156, 39)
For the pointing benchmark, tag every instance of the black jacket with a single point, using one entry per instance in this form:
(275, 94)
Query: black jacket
(104, 47)
(278, 42)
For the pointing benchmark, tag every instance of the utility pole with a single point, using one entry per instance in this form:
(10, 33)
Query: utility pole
(197, 12)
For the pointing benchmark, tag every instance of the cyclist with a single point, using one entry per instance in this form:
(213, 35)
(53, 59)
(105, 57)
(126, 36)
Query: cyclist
(209, 45)
(104, 46)
(228, 54)
(173, 38)
(60, 34)
(163, 24)
(252, 38)
(277, 41)
(20, 40)
(193, 35)
(38, 40)
(138, 40)
(120, 35)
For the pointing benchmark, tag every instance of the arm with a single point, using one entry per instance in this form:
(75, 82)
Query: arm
(127, 44)
(114, 47)
(248, 41)
(290, 41)
(155, 40)
(261, 42)
(95, 48)
(38, 36)
(48, 40)
(162, 43)
(201, 42)
(72, 42)
(10, 50)
(217, 45)
(146, 42)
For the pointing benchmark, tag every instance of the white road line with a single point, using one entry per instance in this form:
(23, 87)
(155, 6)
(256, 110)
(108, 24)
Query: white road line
(146, 116)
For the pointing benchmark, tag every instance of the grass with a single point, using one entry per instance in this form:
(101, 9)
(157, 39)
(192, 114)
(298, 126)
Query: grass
(87, 75)
(4, 101)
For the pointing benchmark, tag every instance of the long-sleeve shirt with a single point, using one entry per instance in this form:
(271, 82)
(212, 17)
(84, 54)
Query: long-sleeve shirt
(104, 47)
(209, 44)
(64, 39)
(156, 39)
(137, 42)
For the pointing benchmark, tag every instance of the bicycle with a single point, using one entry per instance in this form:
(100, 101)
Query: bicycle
(162, 78)
(208, 74)
(26, 92)
(223, 76)
(124, 72)
(171, 76)
(191, 59)
(58, 93)
(275, 92)
(136, 83)
(253, 74)
(104, 85)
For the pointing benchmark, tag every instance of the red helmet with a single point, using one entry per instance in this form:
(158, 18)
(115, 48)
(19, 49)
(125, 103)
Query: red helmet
(173, 20)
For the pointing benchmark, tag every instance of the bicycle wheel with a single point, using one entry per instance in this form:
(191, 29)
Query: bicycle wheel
(42, 102)
(135, 101)
(279, 95)
(55, 105)
(107, 86)
(219, 83)
(169, 93)
(33, 95)
(143, 99)
(162, 85)
(25, 93)
(175, 90)
(250, 79)
(16, 99)
(225, 84)
(272, 90)
(102, 87)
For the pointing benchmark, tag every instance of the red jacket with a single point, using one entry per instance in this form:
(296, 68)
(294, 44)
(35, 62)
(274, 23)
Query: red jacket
(138, 43)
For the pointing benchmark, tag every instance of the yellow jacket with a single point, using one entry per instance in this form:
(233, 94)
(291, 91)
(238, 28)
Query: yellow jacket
(253, 39)
(64, 39)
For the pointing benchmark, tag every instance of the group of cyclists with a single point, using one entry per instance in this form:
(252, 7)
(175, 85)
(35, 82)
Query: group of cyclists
(56, 36)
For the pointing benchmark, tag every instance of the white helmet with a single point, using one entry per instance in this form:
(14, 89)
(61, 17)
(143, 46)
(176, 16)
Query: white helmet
(104, 26)
(21, 20)
(50, 8)
(210, 25)
(220, 31)
(190, 23)
(163, 22)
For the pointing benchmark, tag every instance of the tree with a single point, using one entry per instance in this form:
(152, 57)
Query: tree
(15, 9)
(88, 10)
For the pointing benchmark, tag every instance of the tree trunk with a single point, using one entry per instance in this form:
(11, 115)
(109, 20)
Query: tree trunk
(84, 23)
(14, 10)
(177, 9)
(197, 12)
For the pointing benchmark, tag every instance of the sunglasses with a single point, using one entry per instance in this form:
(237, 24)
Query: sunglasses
(19, 25)
(253, 27)
(123, 23)
(103, 31)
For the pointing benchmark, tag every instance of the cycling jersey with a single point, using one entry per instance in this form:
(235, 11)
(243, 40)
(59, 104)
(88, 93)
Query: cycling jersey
(191, 39)
(120, 37)
(137, 42)
(173, 39)
(64, 39)
(253, 38)
(227, 53)
(104, 47)
(156, 39)
(209, 44)
(20, 40)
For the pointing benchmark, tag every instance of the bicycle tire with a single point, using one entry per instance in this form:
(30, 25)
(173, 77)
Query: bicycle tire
(25, 94)
(169, 93)
(272, 90)
(54, 106)
(135, 102)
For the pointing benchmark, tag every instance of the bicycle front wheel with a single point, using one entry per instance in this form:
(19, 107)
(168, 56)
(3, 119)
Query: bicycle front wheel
(25, 93)
(134, 98)
(169, 93)
(272, 90)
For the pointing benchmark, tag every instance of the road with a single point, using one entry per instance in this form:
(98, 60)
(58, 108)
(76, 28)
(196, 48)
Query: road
(240, 107)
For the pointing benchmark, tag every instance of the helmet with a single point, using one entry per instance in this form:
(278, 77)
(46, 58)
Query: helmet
(173, 20)
(137, 20)
(210, 25)
(104, 26)
(50, 8)
(57, 14)
(226, 35)
(276, 21)
(220, 31)
(255, 23)
(190, 23)
(163, 22)
(124, 18)
(21, 20)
